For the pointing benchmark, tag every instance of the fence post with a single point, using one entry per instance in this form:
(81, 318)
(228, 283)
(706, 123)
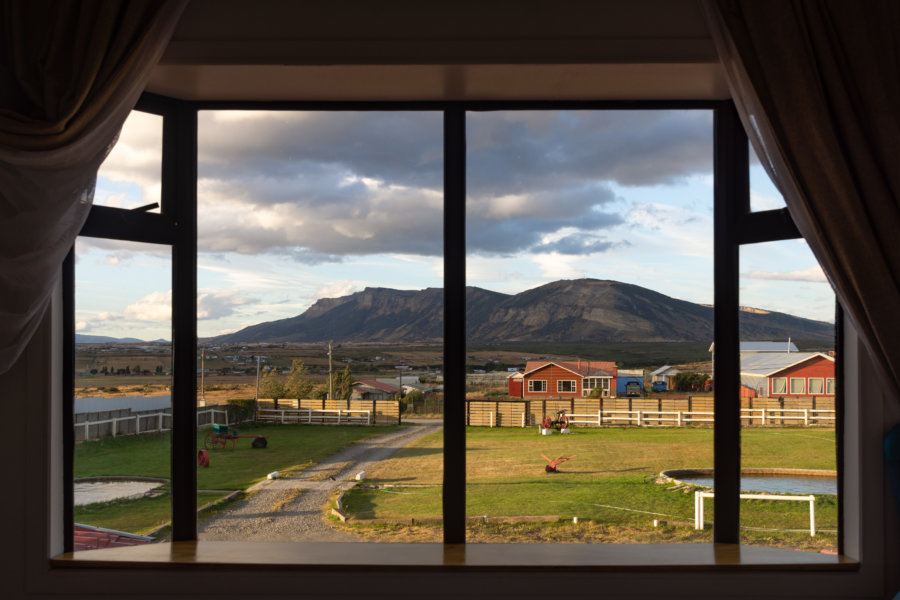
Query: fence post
(600, 415)
(339, 416)
(159, 421)
(491, 418)
(678, 419)
(806, 417)
(523, 420)
(640, 418)
(812, 515)
(763, 416)
(115, 422)
(698, 510)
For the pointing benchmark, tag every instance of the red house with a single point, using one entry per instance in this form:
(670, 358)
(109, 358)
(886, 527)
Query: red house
(789, 374)
(564, 379)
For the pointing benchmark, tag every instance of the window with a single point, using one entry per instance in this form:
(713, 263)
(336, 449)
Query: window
(779, 385)
(816, 385)
(565, 385)
(537, 385)
(829, 386)
(798, 385)
(181, 143)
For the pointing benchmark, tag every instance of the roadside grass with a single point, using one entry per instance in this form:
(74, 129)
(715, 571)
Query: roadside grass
(291, 448)
(610, 485)
(139, 515)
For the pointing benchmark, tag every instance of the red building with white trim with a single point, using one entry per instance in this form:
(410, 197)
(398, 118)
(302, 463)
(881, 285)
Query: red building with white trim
(564, 379)
(789, 374)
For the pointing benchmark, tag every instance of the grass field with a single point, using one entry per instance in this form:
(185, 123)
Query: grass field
(291, 448)
(610, 485)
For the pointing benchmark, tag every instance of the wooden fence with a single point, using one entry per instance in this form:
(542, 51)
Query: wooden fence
(643, 412)
(383, 412)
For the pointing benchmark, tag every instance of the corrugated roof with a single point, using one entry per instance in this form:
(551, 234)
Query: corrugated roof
(585, 368)
(663, 370)
(784, 346)
(768, 363)
(377, 385)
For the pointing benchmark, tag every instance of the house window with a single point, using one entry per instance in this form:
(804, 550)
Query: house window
(779, 386)
(816, 385)
(566, 386)
(576, 233)
(798, 385)
(829, 386)
(537, 385)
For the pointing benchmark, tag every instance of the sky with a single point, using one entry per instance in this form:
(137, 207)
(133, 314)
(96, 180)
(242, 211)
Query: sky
(298, 206)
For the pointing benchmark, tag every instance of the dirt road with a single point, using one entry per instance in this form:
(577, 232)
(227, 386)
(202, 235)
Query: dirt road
(291, 510)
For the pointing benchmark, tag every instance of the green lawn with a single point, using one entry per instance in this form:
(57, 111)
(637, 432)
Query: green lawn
(611, 480)
(290, 448)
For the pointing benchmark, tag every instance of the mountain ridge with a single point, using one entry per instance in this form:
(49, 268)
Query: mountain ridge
(568, 310)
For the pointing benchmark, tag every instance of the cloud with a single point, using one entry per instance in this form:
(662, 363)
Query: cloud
(344, 287)
(155, 307)
(320, 186)
(215, 304)
(814, 274)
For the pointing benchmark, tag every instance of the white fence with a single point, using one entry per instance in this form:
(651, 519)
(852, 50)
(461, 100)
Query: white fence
(679, 418)
(321, 416)
(205, 418)
(699, 496)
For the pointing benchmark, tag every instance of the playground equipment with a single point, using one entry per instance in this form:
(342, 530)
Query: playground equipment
(221, 437)
(551, 468)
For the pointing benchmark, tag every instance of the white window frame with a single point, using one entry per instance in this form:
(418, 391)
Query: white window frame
(809, 386)
(783, 381)
(802, 381)
(829, 386)
(531, 385)
(573, 383)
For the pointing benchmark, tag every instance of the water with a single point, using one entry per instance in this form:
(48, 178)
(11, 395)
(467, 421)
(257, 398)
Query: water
(775, 484)
(104, 491)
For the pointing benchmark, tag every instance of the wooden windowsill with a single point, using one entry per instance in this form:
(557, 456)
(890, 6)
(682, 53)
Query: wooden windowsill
(456, 557)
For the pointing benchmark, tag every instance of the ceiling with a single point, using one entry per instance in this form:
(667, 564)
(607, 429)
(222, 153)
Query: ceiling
(461, 50)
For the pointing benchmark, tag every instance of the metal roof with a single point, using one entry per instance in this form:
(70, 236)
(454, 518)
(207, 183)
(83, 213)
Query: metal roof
(769, 363)
(784, 346)
(584, 368)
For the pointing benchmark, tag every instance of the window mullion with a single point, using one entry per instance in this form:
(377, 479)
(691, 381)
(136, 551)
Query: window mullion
(731, 200)
(454, 492)
(179, 199)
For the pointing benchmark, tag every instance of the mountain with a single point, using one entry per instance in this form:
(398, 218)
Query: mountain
(580, 310)
(81, 338)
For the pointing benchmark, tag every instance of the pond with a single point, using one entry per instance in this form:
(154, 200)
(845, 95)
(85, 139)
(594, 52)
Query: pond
(88, 492)
(773, 481)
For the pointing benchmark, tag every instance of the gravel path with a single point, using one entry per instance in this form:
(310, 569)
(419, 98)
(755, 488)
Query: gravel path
(291, 510)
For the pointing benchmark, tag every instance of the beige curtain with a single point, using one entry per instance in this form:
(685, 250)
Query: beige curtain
(70, 72)
(817, 84)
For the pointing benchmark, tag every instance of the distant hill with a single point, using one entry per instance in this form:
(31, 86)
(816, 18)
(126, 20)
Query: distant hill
(81, 338)
(581, 310)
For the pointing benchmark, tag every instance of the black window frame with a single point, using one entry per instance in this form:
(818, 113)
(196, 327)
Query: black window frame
(176, 225)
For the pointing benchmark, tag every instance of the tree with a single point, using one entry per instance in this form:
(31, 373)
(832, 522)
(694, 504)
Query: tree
(271, 385)
(298, 386)
(689, 382)
(342, 384)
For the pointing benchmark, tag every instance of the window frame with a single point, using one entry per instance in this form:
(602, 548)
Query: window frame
(531, 386)
(783, 381)
(802, 381)
(734, 225)
(809, 383)
(573, 384)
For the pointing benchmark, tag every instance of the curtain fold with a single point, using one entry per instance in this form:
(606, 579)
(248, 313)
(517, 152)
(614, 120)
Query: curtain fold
(70, 72)
(817, 85)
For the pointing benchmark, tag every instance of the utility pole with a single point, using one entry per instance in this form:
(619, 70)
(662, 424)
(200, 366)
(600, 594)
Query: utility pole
(256, 404)
(330, 378)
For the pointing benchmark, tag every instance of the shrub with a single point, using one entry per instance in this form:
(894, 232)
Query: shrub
(240, 409)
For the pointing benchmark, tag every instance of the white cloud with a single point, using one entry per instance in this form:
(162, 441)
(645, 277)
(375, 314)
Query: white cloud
(215, 304)
(814, 274)
(155, 307)
(337, 289)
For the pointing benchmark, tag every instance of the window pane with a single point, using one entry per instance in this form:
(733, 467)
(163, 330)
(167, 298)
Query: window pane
(763, 193)
(131, 175)
(319, 269)
(589, 261)
(123, 377)
(787, 442)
